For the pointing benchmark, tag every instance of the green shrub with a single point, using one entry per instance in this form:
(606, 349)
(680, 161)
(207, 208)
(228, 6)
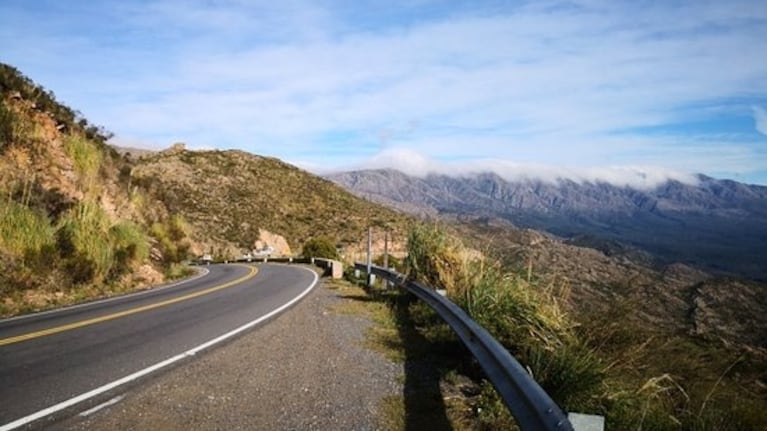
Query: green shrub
(393, 262)
(86, 156)
(175, 271)
(83, 240)
(129, 244)
(172, 237)
(7, 126)
(320, 247)
(24, 233)
(436, 259)
(526, 320)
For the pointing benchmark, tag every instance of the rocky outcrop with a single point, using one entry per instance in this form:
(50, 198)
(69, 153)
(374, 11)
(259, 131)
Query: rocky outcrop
(277, 244)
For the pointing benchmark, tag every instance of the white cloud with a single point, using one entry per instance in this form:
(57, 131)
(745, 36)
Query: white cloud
(535, 83)
(415, 164)
(760, 118)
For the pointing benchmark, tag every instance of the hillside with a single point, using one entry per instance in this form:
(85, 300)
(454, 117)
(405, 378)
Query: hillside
(717, 225)
(675, 298)
(81, 219)
(648, 317)
(233, 199)
(71, 227)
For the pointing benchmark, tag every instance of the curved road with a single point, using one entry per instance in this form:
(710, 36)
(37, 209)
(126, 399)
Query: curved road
(51, 361)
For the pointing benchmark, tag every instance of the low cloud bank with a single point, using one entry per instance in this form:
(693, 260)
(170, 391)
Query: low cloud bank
(412, 163)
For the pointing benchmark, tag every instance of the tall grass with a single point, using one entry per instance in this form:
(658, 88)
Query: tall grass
(83, 240)
(23, 232)
(129, 244)
(599, 368)
(173, 238)
(87, 158)
(525, 319)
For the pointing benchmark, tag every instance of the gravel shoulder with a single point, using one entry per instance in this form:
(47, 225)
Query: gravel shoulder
(305, 370)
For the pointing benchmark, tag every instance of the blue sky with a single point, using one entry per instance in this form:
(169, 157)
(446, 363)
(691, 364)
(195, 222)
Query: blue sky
(588, 89)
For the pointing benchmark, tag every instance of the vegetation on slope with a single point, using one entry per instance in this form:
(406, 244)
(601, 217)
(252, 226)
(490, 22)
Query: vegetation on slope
(69, 228)
(82, 221)
(320, 247)
(600, 363)
(229, 196)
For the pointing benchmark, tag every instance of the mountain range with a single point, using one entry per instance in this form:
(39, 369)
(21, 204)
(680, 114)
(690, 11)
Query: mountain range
(717, 225)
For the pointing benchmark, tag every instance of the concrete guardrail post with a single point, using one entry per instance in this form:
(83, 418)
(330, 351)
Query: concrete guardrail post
(336, 269)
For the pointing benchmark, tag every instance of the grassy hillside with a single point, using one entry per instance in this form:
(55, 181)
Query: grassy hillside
(81, 220)
(229, 196)
(71, 228)
(611, 342)
(688, 345)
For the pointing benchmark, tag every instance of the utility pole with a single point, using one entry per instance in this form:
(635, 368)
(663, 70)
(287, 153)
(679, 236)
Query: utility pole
(370, 257)
(386, 249)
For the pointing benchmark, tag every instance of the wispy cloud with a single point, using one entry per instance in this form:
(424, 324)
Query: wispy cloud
(760, 118)
(550, 83)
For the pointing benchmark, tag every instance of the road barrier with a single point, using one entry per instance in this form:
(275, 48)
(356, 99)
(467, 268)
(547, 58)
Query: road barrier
(333, 268)
(530, 405)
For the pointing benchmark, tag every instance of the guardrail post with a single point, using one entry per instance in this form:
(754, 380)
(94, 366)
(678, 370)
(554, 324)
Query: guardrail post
(583, 422)
(336, 269)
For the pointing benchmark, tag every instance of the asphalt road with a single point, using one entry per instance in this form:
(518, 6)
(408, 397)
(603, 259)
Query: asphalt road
(51, 358)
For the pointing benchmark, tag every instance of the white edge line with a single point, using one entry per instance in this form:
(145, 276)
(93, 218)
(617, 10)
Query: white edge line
(111, 402)
(141, 373)
(202, 273)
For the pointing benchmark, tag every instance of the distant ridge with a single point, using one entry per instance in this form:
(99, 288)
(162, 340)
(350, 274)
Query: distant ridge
(719, 225)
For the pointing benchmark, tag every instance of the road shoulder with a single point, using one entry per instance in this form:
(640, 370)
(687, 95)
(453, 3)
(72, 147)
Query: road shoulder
(306, 369)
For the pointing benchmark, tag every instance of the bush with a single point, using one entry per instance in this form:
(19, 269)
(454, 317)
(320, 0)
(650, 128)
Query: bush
(87, 158)
(130, 245)
(7, 126)
(172, 236)
(24, 233)
(320, 247)
(436, 258)
(526, 320)
(393, 262)
(83, 240)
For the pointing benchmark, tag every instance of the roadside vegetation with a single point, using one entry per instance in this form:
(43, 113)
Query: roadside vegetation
(58, 241)
(320, 247)
(598, 364)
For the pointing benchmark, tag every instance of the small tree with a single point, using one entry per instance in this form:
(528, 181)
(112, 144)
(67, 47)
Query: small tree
(320, 247)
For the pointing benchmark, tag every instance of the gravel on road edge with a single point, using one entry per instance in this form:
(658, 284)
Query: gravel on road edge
(305, 370)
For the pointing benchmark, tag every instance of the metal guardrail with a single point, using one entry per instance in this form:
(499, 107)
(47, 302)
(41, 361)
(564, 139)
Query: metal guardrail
(530, 405)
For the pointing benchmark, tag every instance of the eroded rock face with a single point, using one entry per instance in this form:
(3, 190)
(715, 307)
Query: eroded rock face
(177, 148)
(271, 241)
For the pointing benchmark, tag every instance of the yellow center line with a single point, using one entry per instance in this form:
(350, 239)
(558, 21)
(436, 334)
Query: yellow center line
(80, 324)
